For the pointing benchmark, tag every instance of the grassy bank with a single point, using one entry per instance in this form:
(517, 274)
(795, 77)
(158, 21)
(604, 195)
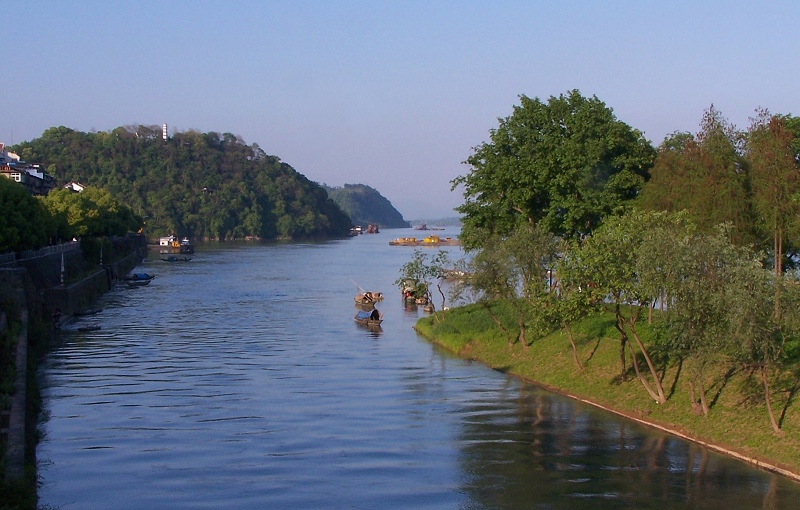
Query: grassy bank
(737, 423)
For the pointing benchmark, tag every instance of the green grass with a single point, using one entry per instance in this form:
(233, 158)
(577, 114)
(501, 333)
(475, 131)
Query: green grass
(737, 420)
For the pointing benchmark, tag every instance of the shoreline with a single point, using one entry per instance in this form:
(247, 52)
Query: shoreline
(668, 428)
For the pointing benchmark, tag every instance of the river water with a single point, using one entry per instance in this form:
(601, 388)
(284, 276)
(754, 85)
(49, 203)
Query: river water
(239, 380)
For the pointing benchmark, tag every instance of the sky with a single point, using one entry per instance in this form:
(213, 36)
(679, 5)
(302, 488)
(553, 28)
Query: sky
(392, 94)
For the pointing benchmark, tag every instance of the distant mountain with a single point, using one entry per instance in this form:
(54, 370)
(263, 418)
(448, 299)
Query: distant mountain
(365, 205)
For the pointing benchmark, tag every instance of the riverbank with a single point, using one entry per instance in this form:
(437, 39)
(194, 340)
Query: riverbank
(737, 424)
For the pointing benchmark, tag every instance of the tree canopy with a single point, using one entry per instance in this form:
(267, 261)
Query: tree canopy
(24, 222)
(92, 212)
(566, 163)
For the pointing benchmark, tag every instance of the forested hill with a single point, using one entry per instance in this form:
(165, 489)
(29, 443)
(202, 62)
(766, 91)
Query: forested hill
(366, 206)
(201, 185)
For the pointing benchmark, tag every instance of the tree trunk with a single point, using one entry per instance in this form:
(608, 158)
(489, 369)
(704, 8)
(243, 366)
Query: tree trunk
(778, 253)
(639, 375)
(522, 339)
(494, 317)
(703, 402)
(693, 396)
(772, 421)
(653, 372)
(623, 339)
(439, 288)
(574, 347)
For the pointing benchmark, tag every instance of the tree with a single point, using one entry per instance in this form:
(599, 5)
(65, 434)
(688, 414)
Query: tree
(25, 224)
(423, 270)
(697, 272)
(775, 182)
(565, 164)
(494, 278)
(607, 263)
(705, 175)
(92, 212)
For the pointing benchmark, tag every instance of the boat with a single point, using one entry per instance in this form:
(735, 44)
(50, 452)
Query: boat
(414, 292)
(427, 241)
(368, 298)
(170, 244)
(369, 318)
(138, 279)
(175, 258)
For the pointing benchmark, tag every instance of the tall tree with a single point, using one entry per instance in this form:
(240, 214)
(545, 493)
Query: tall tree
(704, 174)
(566, 164)
(775, 182)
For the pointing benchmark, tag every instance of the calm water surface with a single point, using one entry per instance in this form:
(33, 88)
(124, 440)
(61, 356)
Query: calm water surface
(239, 380)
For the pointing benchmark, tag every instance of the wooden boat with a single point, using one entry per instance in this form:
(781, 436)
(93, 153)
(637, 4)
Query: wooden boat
(368, 298)
(369, 318)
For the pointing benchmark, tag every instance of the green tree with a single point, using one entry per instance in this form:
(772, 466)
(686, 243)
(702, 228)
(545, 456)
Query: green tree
(607, 262)
(775, 182)
(566, 164)
(25, 224)
(425, 270)
(705, 175)
(92, 212)
(697, 275)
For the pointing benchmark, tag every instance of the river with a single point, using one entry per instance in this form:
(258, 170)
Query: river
(239, 380)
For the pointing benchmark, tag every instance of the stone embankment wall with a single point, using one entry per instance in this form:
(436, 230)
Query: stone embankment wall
(43, 282)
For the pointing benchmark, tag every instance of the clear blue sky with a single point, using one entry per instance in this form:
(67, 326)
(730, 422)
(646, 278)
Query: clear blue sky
(393, 94)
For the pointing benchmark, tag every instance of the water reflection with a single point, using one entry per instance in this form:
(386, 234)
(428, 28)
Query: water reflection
(548, 453)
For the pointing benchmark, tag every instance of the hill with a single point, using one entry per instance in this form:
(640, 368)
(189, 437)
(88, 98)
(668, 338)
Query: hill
(366, 206)
(201, 185)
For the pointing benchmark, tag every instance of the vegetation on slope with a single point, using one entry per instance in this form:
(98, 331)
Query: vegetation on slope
(203, 185)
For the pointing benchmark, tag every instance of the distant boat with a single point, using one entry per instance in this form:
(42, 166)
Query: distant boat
(369, 318)
(170, 244)
(427, 241)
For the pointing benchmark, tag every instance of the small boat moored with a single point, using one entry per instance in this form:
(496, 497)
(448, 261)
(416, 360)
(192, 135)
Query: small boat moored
(138, 279)
(369, 318)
